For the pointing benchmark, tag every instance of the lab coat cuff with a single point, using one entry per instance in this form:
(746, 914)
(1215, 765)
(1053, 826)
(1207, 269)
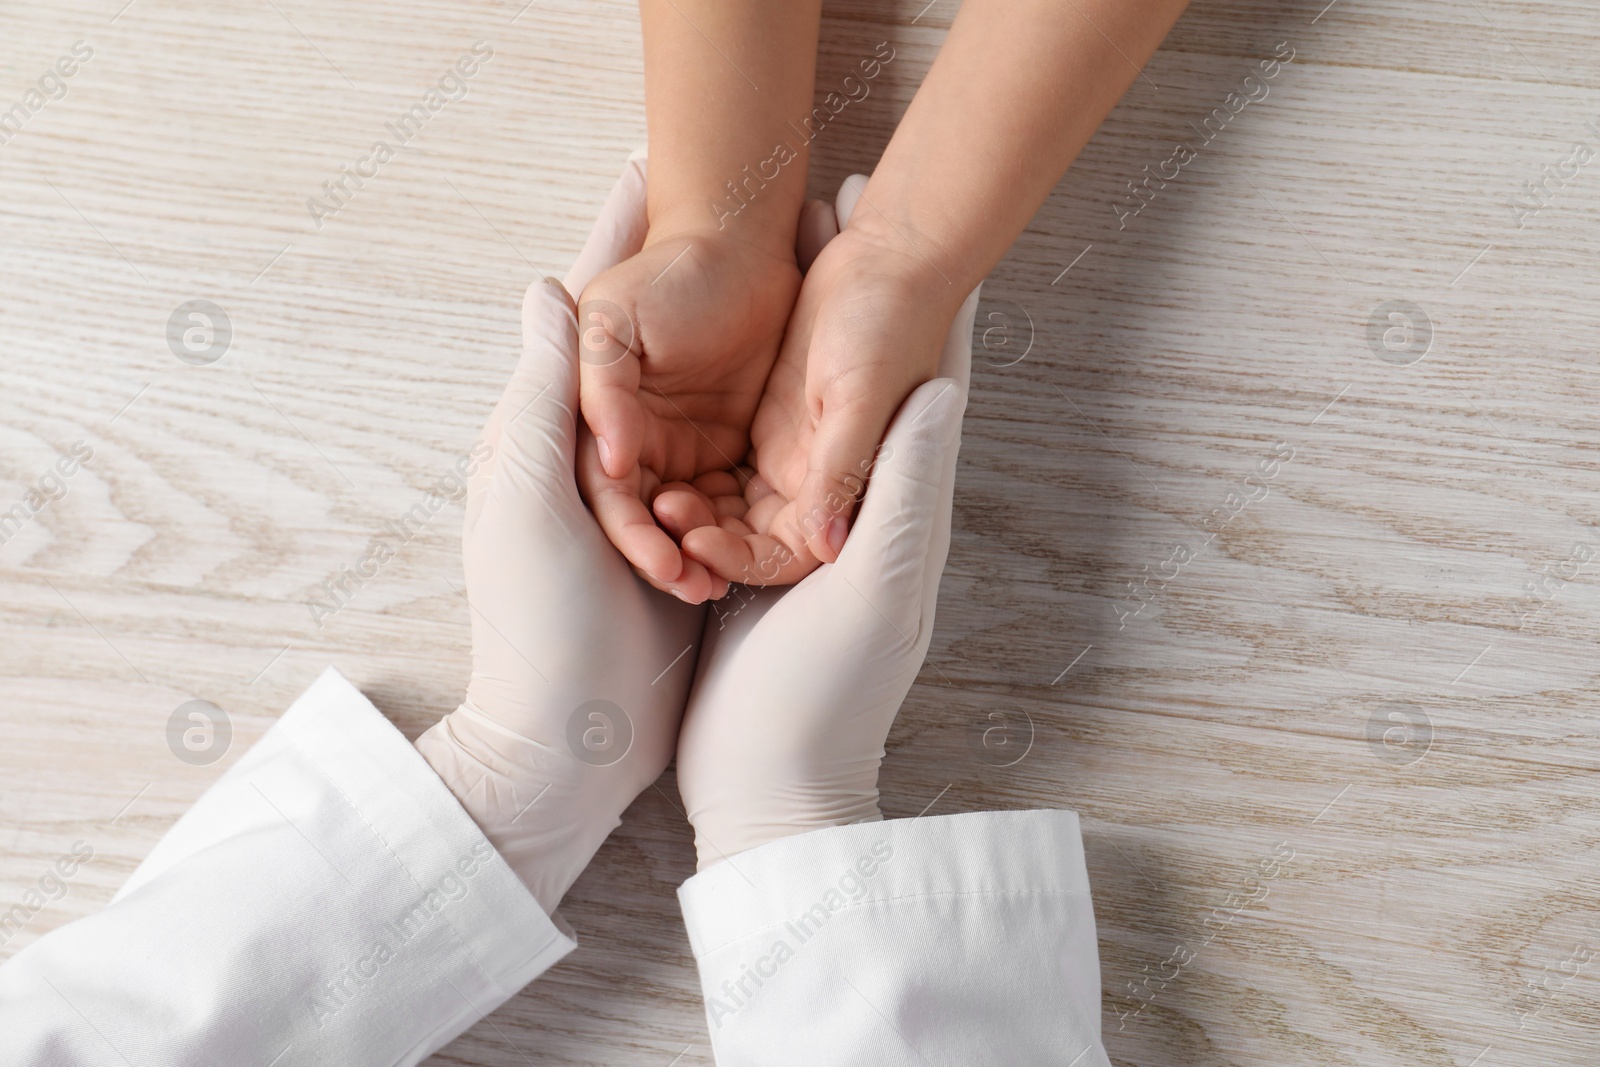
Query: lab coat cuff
(944, 939)
(401, 826)
(424, 827)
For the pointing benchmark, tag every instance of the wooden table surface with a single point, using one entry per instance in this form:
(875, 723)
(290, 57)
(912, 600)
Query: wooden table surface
(1274, 550)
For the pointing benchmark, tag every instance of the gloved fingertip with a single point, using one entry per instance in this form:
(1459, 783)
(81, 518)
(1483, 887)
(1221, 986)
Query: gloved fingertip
(817, 226)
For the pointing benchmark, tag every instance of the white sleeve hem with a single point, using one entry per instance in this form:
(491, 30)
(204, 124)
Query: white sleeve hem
(960, 938)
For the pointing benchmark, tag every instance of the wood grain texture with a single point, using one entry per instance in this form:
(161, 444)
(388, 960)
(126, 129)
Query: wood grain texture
(1332, 730)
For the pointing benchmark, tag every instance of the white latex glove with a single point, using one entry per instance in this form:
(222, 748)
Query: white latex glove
(579, 669)
(796, 689)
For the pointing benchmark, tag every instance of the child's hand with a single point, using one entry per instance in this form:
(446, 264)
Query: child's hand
(677, 341)
(868, 328)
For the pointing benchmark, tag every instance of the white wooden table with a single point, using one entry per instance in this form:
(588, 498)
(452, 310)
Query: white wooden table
(1299, 614)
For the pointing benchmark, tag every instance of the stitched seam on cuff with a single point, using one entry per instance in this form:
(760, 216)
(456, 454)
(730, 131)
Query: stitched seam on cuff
(1018, 893)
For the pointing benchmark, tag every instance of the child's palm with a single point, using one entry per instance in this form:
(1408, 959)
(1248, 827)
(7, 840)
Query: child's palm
(860, 340)
(677, 344)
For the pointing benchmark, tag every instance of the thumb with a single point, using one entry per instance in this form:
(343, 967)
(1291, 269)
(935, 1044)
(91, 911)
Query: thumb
(839, 461)
(608, 349)
(897, 550)
(607, 335)
(532, 432)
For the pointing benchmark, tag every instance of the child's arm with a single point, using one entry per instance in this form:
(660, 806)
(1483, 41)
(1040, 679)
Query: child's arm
(722, 83)
(1016, 92)
(679, 337)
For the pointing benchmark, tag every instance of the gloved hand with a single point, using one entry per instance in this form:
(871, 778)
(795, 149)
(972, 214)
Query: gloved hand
(579, 668)
(796, 689)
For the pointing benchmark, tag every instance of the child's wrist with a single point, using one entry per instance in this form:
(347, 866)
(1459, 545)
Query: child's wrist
(907, 263)
(767, 227)
(921, 236)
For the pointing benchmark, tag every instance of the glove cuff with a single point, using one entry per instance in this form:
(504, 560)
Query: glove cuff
(528, 803)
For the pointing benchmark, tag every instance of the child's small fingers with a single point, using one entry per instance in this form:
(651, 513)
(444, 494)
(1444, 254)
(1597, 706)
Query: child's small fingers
(777, 563)
(764, 512)
(723, 552)
(729, 507)
(733, 525)
(780, 539)
(624, 518)
(723, 491)
(628, 524)
(679, 508)
(718, 483)
(750, 559)
(694, 586)
(757, 489)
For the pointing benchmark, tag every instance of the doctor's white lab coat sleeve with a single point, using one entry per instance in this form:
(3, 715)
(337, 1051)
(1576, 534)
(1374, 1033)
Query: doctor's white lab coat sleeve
(959, 939)
(328, 902)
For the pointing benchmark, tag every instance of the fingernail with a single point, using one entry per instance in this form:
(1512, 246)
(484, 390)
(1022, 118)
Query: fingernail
(605, 452)
(681, 597)
(837, 529)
